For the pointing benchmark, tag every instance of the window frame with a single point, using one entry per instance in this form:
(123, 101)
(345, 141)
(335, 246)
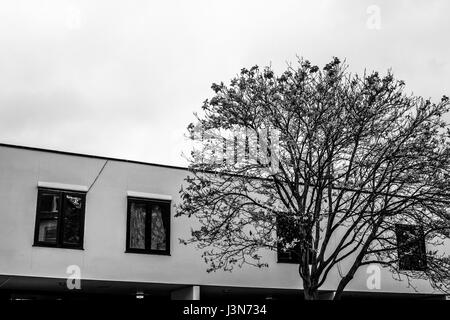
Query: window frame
(166, 222)
(282, 257)
(59, 243)
(421, 244)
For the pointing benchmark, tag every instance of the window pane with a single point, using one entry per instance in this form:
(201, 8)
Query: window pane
(411, 247)
(49, 203)
(47, 230)
(72, 217)
(137, 225)
(158, 231)
(287, 232)
(292, 244)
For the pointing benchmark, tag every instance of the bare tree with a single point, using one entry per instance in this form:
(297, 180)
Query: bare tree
(356, 164)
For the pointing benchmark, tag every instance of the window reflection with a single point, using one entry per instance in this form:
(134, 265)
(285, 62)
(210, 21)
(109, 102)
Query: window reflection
(47, 231)
(137, 225)
(158, 232)
(72, 220)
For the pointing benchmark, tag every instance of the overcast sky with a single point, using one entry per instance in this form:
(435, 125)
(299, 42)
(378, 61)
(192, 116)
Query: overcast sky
(122, 78)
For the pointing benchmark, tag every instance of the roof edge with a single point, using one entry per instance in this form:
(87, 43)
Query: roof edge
(68, 153)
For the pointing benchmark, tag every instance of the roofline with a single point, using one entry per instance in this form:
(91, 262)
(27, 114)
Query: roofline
(92, 156)
(117, 159)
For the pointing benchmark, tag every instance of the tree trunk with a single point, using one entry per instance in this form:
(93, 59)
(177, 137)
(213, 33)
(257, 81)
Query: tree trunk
(310, 294)
(342, 284)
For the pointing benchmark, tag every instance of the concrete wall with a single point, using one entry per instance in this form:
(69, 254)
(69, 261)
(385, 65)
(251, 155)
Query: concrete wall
(104, 256)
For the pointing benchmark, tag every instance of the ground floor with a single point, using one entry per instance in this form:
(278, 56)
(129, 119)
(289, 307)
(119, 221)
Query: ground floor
(43, 288)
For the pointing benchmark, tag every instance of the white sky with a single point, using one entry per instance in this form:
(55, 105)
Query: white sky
(122, 78)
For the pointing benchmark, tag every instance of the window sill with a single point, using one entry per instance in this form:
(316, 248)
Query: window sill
(56, 247)
(150, 252)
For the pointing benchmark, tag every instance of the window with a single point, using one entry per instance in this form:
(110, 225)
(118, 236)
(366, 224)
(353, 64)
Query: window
(148, 226)
(288, 232)
(411, 247)
(59, 219)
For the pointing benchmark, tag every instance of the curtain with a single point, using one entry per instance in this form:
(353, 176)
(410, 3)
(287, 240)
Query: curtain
(137, 226)
(158, 232)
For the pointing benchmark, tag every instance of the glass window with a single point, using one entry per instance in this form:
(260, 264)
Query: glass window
(158, 241)
(411, 247)
(47, 231)
(148, 226)
(72, 219)
(137, 225)
(60, 219)
(289, 248)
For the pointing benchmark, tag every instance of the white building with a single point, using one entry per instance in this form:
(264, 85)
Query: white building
(63, 213)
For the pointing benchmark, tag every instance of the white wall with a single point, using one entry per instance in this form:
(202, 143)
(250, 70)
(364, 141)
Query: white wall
(104, 256)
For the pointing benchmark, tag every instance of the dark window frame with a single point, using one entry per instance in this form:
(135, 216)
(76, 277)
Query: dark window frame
(59, 225)
(293, 256)
(408, 262)
(166, 222)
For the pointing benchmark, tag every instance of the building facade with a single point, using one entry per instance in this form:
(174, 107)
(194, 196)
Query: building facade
(74, 226)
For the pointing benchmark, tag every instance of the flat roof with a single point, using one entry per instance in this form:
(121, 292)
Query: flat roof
(91, 156)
